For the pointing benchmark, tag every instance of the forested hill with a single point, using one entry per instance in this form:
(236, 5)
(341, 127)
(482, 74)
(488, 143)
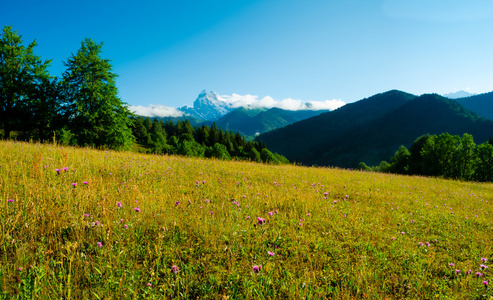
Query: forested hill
(372, 129)
(250, 121)
(301, 140)
(481, 104)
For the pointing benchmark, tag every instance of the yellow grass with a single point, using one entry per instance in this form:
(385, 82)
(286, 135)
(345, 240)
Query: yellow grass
(333, 233)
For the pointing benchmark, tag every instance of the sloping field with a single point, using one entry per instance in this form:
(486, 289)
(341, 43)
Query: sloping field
(87, 224)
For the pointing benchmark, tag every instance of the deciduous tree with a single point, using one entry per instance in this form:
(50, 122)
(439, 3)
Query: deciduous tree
(22, 75)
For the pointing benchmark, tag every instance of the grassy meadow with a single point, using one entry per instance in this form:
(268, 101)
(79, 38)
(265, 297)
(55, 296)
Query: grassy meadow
(79, 223)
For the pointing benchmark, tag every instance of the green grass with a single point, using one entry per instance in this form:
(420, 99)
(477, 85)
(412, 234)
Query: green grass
(334, 233)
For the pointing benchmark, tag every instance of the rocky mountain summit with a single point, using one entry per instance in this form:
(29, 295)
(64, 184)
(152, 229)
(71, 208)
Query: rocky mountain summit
(208, 106)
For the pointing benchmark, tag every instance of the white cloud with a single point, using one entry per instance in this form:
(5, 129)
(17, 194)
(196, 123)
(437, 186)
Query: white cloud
(288, 104)
(237, 101)
(156, 111)
(327, 104)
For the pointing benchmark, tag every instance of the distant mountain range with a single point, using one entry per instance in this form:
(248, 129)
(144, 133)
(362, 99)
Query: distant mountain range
(372, 129)
(249, 121)
(458, 94)
(369, 130)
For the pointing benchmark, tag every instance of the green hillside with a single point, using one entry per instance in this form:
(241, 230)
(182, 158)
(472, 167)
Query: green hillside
(371, 130)
(258, 120)
(306, 140)
(481, 104)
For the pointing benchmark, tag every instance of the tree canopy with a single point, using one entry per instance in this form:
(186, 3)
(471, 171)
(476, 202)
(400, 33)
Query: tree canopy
(25, 85)
(444, 155)
(97, 116)
(157, 136)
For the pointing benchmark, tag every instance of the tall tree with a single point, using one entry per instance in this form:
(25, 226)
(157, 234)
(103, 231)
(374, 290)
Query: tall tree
(400, 161)
(98, 116)
(483, 170)
(463, 159)
(21, 72)
(416, 164)
(438, 154)
(45, 113)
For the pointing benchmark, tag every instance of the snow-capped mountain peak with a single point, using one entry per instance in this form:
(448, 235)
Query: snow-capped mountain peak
(207, 106)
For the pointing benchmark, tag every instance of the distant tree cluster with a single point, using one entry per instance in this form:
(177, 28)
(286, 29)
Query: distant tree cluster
(445, 155)
(158, 136)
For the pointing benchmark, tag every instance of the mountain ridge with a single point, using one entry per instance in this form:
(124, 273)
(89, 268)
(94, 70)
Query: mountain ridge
(341, 140)
(482, 104)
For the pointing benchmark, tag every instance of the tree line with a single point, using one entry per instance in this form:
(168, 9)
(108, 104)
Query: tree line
(159, 136)
(444, 155)
(82, 108)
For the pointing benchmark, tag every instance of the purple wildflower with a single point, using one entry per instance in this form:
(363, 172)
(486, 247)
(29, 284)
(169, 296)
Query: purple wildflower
(256, 269)
(137, 209)
(175, 269)
(260, 221)
(100, 245)
(271, 253)
(10, 200)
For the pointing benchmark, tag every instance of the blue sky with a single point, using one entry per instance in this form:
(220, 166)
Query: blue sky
(166, 52)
